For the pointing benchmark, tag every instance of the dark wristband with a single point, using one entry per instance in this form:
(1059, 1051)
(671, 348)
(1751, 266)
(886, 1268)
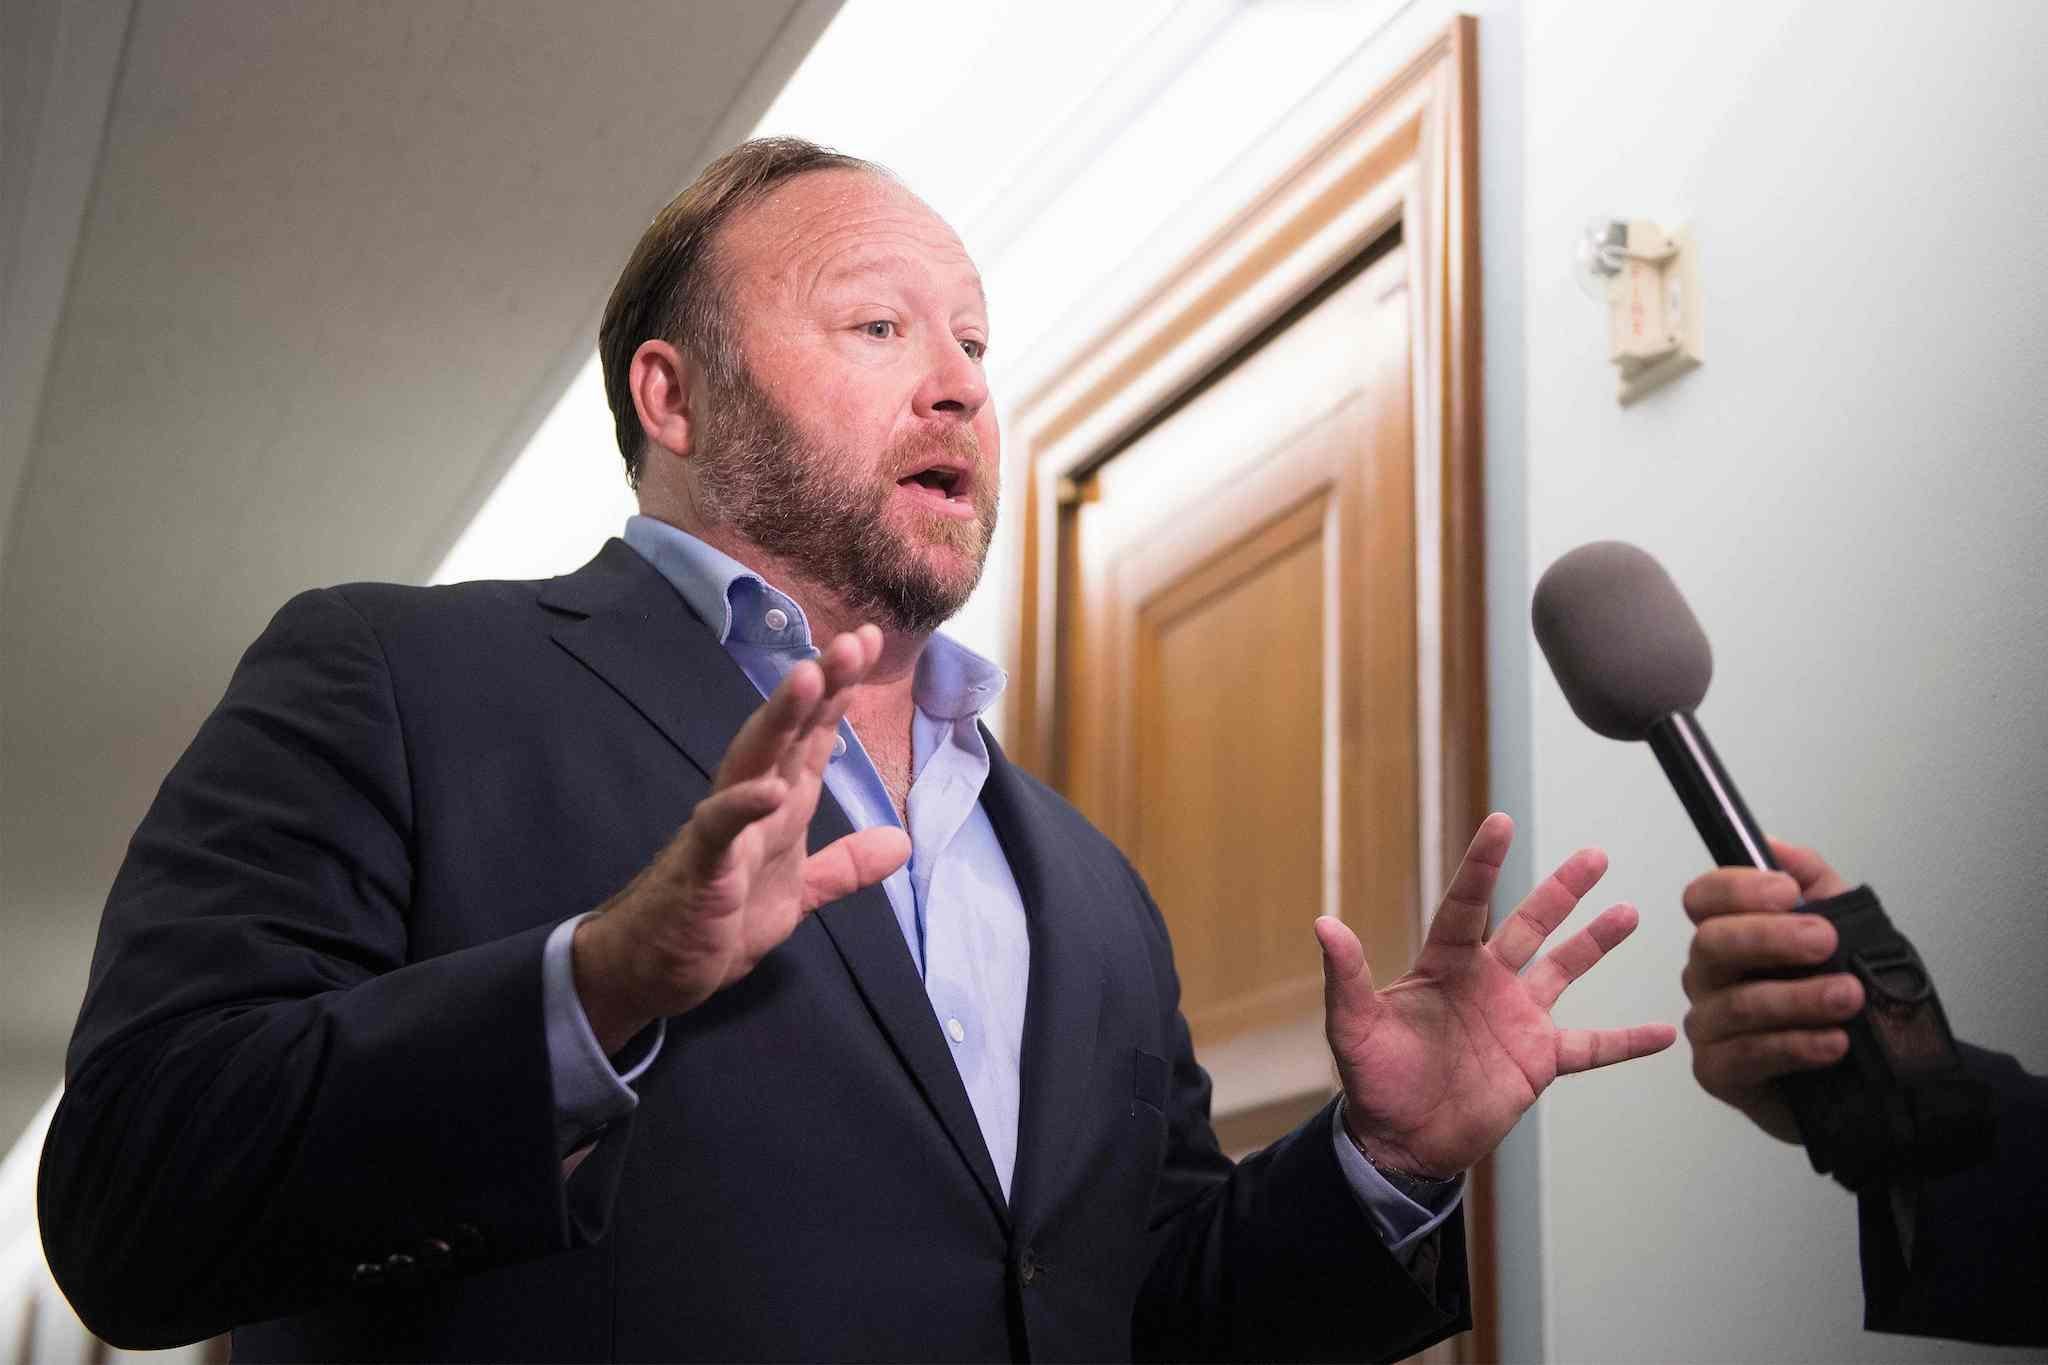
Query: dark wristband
(1899, 1108)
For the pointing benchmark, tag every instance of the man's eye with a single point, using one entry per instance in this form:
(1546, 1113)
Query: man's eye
(975, 349)
(881, 329)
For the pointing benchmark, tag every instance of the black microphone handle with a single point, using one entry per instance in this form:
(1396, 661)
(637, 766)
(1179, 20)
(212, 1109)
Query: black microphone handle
(1708, 793)
(1735, 841)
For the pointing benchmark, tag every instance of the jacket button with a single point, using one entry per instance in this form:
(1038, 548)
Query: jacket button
(369, 1272)
(434, 1253)
(401, 1267)
(1027, 1266)
(467, 1239)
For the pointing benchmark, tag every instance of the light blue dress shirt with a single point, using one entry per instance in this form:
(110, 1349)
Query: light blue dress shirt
(955, 901)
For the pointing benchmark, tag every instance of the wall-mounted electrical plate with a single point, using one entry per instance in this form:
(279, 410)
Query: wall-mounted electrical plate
(1655, 326)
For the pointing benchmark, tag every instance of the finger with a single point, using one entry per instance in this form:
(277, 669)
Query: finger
(1347, 980)
(814, 754)
(871, 643)
(1543, 909)
(1575, 957)
(1756, 1059)
(845, 865)
(1583, 1049)
(1766, 1006)
(1812, 872)
(1728, 949)
(833, 711)
(845, 663)
(764, 740)
(1738, 891)
(1461, 918)
(721, 817)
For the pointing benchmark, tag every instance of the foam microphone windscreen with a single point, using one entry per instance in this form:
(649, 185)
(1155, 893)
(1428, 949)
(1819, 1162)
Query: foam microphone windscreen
(1625, 648)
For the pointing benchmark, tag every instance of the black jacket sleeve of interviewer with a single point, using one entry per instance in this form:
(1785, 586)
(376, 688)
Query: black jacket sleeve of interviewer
(1980, 1236)
(255, 1023)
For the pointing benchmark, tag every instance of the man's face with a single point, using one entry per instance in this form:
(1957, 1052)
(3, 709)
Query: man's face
(858, 443)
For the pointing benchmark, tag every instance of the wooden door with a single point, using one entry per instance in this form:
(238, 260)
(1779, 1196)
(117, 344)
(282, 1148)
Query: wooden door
(1250, 644)
(1239, 708)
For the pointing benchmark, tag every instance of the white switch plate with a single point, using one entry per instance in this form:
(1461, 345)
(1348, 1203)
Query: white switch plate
(1670, 302)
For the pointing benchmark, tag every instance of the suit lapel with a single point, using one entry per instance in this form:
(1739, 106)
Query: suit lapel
(1064, 1000)
(627, 624)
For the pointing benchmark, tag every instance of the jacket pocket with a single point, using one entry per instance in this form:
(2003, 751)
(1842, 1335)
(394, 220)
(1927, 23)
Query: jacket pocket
(1148, 1079)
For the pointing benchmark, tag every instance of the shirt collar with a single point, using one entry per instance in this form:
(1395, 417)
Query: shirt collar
(745, 610)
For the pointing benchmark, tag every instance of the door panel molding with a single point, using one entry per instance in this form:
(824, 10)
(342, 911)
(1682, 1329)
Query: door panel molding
(1403, 164)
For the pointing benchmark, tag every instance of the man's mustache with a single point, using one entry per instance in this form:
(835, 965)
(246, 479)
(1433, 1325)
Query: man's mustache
(921, 450)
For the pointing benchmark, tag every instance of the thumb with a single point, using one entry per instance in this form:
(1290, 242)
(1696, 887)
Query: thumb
(1817, 881)
(859, 859)
(1347, 980)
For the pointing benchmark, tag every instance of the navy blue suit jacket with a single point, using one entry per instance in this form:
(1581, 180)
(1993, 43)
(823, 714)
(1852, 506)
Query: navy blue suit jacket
(308, 1096)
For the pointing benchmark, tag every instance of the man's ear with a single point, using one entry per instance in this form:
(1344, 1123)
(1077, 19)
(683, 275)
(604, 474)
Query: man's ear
(660, 381)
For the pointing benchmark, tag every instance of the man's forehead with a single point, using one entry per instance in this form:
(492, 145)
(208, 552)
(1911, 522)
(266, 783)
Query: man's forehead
(862, 261)
(832, 226)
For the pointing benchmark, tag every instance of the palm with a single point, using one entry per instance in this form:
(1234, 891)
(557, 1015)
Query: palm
(1440, 1064)
(738, 878)
(757, 896)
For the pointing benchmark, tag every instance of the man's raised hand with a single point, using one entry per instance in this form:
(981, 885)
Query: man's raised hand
(735, 881)
(1439, 1065)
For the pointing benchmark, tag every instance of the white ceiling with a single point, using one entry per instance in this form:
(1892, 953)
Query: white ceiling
(334, 264)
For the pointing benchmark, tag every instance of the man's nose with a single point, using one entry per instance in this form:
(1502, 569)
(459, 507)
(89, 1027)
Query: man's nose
(954, 387)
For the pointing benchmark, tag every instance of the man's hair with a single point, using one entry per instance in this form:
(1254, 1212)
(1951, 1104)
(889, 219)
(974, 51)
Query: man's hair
(672, 286)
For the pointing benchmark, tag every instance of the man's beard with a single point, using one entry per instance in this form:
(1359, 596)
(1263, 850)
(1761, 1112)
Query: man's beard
(758, 473)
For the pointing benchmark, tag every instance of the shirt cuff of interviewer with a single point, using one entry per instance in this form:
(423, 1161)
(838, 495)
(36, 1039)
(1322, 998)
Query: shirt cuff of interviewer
(1404, 1218)
(592, 1091)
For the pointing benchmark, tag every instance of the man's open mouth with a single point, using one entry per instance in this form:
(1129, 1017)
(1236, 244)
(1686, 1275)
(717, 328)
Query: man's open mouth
(944, 484)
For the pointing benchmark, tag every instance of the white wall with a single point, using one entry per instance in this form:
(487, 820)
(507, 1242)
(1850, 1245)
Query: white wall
(1851, 494)
(57, 70)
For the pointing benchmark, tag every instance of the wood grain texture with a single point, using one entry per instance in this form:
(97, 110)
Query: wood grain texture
(1400, 170)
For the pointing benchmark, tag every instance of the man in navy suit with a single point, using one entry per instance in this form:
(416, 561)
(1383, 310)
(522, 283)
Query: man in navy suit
(418, 1029)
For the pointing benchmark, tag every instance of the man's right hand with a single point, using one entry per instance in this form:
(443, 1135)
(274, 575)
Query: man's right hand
(1747, 1030)
(735, 881)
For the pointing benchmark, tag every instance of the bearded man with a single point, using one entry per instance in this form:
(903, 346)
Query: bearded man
(417, 1029)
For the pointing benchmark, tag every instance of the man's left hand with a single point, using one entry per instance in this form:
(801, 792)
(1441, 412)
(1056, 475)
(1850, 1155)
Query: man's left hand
(1438, 1066)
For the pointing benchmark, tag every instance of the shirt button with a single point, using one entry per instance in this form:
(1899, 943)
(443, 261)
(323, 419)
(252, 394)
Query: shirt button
(956, 1030)
(775, 618)
(838, 746)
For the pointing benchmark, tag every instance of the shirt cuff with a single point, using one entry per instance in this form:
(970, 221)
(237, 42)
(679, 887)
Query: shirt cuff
(590, 1091)
(1402, 1223)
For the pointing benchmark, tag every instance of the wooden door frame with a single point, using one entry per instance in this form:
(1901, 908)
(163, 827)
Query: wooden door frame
(1406, 159)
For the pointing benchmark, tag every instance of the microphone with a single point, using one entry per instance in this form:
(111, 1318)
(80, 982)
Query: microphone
(1634, 664)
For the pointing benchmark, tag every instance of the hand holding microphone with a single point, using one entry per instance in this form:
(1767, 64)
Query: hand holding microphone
(1749, 1026)
(1811, 1013)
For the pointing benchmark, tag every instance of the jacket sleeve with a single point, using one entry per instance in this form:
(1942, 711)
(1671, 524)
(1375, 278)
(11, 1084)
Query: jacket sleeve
(1979, 1253)
(1271, 1258)
(268, 1102)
